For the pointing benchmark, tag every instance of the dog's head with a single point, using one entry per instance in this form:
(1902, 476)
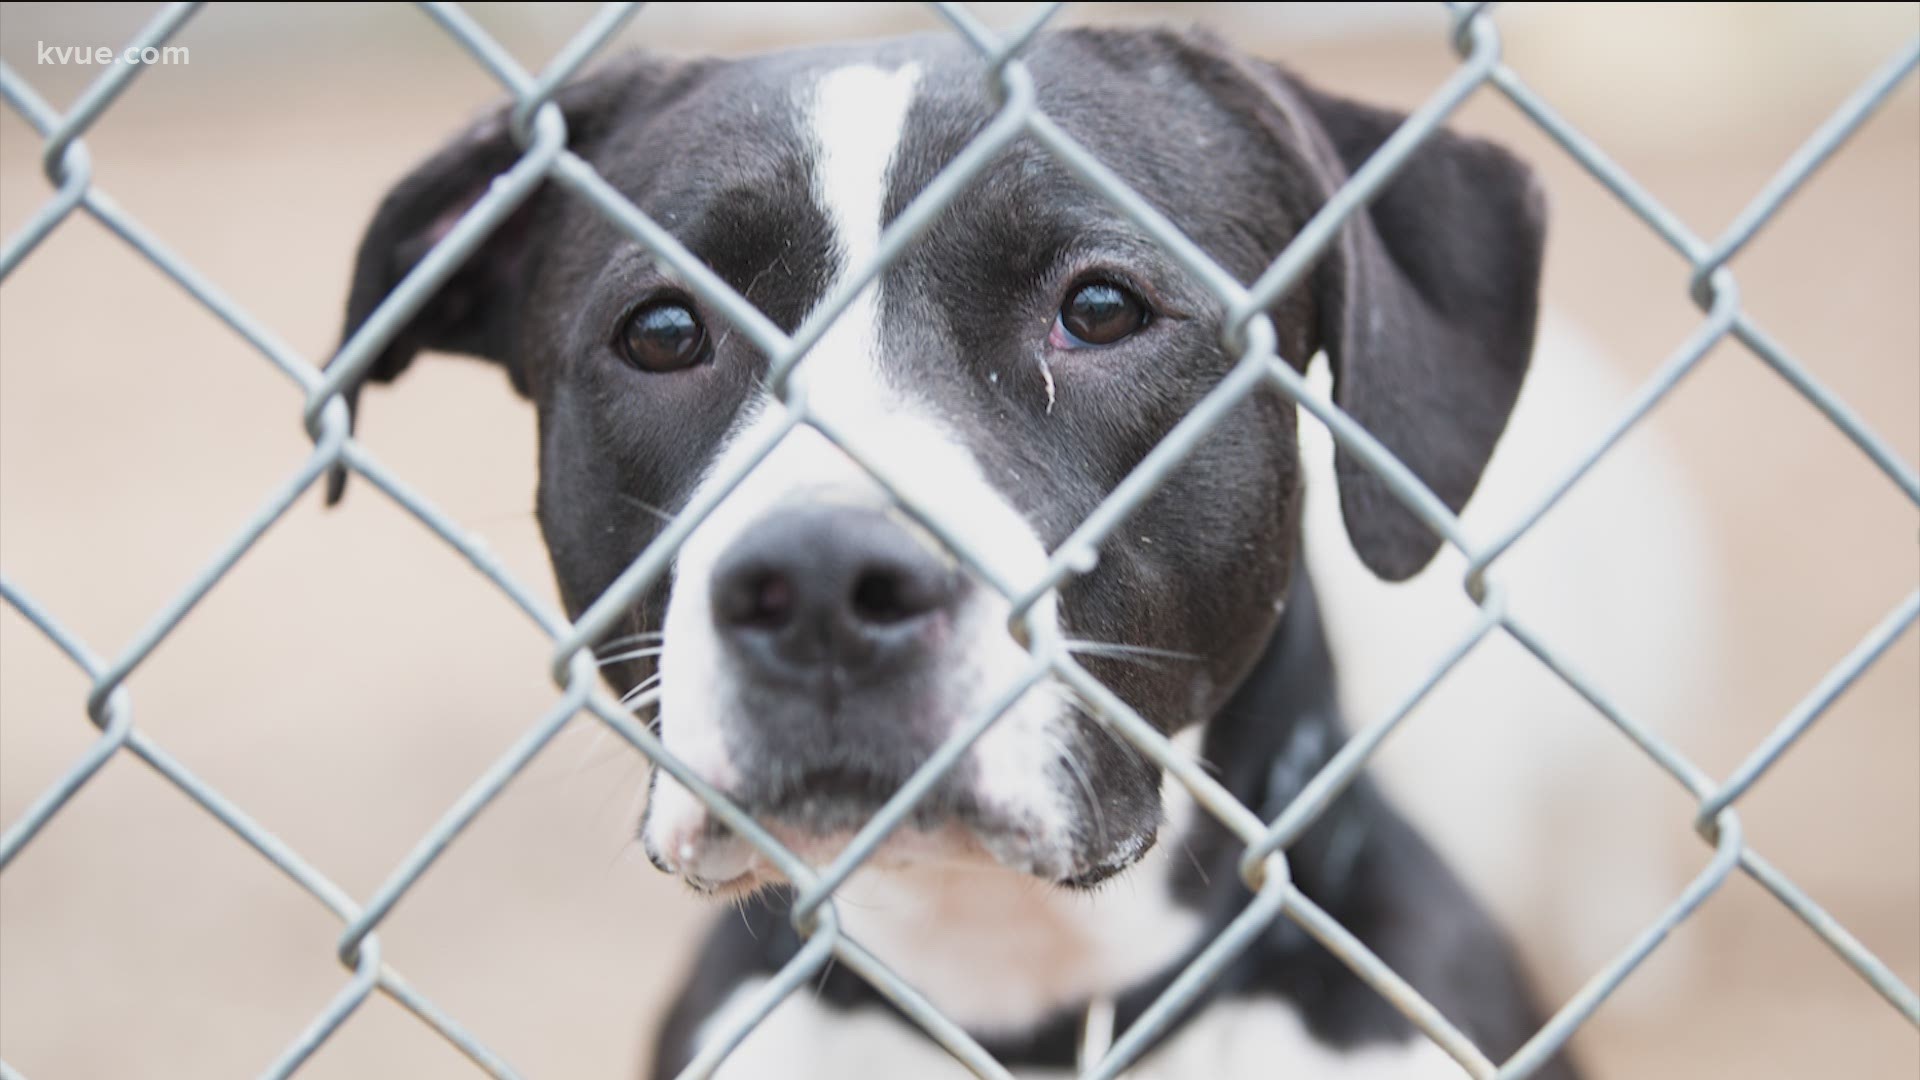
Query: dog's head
(816, 644)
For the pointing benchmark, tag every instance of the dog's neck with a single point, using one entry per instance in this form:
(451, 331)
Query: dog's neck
(996, 950)
(1019, 962)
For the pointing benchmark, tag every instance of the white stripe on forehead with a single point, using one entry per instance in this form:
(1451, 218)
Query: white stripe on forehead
(856, 122)
(858, 116)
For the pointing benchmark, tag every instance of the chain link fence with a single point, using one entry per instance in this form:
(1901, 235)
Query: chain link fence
(541, 131)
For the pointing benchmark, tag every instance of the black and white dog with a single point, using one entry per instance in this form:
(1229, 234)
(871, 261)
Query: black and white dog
(816, 645)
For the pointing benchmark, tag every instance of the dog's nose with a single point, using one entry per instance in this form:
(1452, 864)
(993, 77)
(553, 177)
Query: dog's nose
(831, 590)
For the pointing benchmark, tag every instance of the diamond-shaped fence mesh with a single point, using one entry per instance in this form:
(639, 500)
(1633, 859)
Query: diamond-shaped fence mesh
(542, 133)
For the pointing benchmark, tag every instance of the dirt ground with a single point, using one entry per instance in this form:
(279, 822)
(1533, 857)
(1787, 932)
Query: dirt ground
(350, 678)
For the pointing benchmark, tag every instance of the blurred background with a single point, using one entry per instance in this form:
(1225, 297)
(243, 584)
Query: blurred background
(351, 677)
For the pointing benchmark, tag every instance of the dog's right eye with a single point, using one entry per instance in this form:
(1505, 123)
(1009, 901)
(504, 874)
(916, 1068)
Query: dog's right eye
(1098, 313)
(662, 336)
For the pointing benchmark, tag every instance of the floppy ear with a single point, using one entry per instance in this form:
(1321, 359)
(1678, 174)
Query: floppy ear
(1428, 317)
(474, 311)
(1427, 304)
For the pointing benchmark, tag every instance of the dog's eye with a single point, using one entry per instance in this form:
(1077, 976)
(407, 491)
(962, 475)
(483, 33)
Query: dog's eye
(663, 336)
(1098, 313)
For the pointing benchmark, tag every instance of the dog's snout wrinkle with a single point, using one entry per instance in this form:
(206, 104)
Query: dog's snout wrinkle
(830, 593)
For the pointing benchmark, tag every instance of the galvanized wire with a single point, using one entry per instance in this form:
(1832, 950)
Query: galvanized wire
(540, 129)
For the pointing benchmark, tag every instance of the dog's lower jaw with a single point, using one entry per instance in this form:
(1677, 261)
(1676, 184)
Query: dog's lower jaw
(716, 861)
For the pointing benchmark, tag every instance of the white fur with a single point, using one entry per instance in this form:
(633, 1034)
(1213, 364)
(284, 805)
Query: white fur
(1541, 805)
(994, 949)
(857, 116)
(1236, 1039)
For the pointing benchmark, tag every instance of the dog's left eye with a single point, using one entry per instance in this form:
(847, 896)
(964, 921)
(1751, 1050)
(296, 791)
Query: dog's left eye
(1097, 313)
(663, 336)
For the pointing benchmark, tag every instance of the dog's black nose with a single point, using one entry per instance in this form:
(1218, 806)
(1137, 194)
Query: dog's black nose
(835, 591)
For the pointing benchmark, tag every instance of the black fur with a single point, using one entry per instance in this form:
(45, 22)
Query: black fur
(1425, 305)
(1361, 862)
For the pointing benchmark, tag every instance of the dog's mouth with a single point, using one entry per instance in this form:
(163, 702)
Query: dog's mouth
(842, 798)
(817, 813)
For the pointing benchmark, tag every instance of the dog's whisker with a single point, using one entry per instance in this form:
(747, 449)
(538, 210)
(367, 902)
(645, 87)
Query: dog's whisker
(1084, 711)
(1065, 695)
(1198, 866)
(614, 789)
(1122, 651)
(629, 639)
(644, 506)
(634, 654)
(632, 696)
(1078, 773)
(596, 753)
(593, 746)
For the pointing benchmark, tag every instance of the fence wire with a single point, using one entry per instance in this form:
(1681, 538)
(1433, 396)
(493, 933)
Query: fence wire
(539, 128)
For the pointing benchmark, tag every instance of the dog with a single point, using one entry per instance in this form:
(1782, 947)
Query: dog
(816, 644)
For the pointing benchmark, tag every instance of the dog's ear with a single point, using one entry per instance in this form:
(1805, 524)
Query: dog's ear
(1427, 307)
(474, 311)
(1425, 302)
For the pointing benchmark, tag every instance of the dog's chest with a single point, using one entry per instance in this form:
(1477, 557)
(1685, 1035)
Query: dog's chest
(993, 952)
(1235, 1039)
